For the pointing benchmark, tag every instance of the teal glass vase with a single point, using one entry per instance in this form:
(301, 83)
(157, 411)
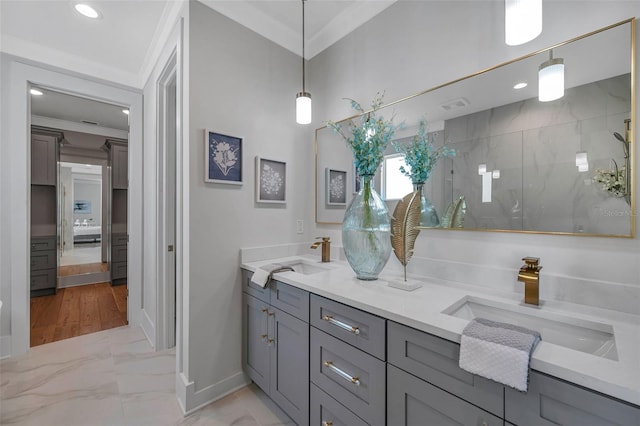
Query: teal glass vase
(428, 213)
(366, 232)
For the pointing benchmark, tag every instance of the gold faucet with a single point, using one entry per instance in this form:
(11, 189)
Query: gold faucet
(326, 248)
(530, 275)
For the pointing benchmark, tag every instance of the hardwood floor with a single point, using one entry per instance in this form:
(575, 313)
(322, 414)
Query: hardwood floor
(77, 310)
(85, 268)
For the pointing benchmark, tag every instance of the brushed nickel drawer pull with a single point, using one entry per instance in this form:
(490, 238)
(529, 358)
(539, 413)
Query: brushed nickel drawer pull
(350, 328)
(353, 379)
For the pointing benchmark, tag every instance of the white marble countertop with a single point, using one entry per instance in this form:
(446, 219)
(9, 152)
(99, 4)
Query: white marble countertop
(422, 309)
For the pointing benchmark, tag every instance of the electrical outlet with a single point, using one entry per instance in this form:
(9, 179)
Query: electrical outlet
(299, 226)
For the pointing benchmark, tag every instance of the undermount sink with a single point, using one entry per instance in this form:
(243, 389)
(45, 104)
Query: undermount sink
(305, 267)
(582, 335)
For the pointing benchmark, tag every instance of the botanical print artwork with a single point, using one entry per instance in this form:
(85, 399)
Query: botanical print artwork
(336, 183)
(336, 187)
(223, 158)
(271, 181)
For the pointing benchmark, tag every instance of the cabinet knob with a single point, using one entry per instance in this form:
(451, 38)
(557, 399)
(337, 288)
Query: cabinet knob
(327, 423)
(263, 336)
(270, 342)
(263, 310)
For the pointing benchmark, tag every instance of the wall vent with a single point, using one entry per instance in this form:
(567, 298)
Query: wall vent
(95, 123)
(455, 104)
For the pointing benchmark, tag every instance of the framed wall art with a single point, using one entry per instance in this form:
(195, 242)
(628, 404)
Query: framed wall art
(223, 158)
(271, 181)
(336, 187)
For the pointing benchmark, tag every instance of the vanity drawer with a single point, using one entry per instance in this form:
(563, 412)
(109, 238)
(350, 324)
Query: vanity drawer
(414, 402)
(43, 243)
(291, 300)
(43, 260)
(354, 378)
(119, 254)
(436, 360)
(43, 279)
(254, 290)
(327, 411)
(360, 329)
(551, 401)
(119, 239)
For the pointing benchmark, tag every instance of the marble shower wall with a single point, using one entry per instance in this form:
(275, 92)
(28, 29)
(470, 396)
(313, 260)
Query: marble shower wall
(534, 146)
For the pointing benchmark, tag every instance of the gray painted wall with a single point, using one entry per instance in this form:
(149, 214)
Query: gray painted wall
(242, 85)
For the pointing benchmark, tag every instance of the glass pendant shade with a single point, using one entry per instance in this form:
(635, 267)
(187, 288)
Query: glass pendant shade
(522, 21)
(303, 108)
(551, 80)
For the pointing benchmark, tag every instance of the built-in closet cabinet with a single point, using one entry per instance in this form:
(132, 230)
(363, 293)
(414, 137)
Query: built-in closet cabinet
(119, 164)
(276, 344)
(44, 238)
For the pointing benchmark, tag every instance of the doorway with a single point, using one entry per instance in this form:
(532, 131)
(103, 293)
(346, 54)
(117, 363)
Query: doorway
(88, 146)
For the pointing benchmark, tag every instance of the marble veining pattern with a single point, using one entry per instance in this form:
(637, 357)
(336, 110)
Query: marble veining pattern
(113, 378)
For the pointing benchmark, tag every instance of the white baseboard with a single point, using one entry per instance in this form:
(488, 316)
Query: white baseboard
(148, 328)
(5, 346)
(191, 401)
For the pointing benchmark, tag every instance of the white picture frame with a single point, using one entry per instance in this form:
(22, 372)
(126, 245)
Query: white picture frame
(222, 158)
(271, 181)
(335, 184)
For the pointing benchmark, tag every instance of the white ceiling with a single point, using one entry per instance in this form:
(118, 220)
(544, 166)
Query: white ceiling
(122, 45)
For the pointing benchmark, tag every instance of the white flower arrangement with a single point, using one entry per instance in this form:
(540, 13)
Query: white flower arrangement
(612, 181)
(224, 157)
(271, 181)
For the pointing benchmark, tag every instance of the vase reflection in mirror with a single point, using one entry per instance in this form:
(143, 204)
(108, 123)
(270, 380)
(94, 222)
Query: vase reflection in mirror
(428, 213)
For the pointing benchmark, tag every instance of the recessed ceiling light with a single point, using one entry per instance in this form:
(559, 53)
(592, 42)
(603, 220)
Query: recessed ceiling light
(87, 11)
(520, 86)
(126, 111)
(35, 92)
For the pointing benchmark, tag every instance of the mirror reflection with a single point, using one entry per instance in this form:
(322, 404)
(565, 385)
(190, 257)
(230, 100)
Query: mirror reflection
(558, 166)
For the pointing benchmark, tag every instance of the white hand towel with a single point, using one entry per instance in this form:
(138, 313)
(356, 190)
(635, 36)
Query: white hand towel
(262, 275)
(498, 351)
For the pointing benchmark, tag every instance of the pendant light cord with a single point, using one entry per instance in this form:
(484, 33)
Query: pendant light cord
(303, 79)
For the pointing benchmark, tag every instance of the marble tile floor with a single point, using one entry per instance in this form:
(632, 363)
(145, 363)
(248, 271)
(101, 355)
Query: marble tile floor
(114, 378)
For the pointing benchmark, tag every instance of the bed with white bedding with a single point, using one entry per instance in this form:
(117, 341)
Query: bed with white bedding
(87, 234)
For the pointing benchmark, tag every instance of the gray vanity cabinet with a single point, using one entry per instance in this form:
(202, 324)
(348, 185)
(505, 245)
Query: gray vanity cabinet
(326, 411)
(435, 360)
(551, 401)
(276, 346)
(414, 402)
(119, 165)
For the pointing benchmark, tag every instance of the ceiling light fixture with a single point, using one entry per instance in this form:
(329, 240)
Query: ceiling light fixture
(126, 111)
(86, 10)
(303, 99)
(520, 86)
(35, 92)
(522, 21)
(551, 79)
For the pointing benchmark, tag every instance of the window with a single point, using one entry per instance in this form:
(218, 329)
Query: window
(395, 185)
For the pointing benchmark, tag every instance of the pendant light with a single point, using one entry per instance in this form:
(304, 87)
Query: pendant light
(522, 21)
(551, 79)
(303, 99)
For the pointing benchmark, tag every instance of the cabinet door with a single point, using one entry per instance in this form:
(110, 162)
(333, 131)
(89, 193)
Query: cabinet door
(255, 349)
(43, 160)
(326, 411)
(120, 166)
(289, 387)
(550, 401)
(413, 402)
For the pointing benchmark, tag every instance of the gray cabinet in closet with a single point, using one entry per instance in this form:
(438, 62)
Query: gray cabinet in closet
(44, 159)
(119, 163)
(44, 259)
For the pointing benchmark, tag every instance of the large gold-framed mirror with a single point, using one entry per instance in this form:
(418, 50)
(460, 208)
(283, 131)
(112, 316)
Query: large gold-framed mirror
(545, 159)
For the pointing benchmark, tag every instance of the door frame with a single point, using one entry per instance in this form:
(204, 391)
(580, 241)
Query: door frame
(168, 131)
(21, 77)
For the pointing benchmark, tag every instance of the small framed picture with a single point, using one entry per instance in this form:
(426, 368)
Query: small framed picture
(82, 206)
(271, 181)
(223, 158)
(336, 187)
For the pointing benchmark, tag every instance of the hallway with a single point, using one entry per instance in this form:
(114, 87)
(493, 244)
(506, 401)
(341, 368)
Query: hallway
(113, 378)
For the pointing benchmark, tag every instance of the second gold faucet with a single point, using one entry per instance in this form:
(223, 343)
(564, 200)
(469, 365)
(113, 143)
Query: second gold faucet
(530, 275)
(326, 248)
